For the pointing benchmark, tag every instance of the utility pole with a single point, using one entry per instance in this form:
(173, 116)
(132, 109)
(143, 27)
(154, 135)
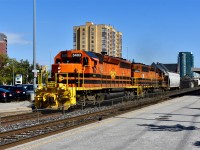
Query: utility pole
(13, 73)
(50, 64)
(34, 45)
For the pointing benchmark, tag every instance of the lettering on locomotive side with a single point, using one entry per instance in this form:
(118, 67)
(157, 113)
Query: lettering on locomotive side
(76, 55)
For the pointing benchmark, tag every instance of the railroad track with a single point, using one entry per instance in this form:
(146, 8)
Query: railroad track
(8, 120)
(15, 137)
(17, 118)
(23, 135)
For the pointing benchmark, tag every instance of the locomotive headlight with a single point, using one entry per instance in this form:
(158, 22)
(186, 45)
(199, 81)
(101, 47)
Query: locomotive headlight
(59, 69)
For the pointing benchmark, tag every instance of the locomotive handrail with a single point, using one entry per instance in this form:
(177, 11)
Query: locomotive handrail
(83, 85)
(67, 79)
(78, 79)
(56, 78)
(40, 78)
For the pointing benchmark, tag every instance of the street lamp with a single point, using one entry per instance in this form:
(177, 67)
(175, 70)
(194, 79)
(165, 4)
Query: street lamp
(13, 74)
(34, 45)
(50, 64)
(27, 75)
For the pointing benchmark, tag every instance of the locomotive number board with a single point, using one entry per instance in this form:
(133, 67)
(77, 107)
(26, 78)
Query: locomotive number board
(76, 55)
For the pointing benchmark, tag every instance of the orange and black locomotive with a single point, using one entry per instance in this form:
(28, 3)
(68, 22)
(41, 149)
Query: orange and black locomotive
(81, 76)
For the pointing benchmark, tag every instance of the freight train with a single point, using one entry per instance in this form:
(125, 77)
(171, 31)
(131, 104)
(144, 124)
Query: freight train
(79, 76)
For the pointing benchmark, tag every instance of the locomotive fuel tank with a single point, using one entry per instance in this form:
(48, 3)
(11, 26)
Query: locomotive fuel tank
(114, 95)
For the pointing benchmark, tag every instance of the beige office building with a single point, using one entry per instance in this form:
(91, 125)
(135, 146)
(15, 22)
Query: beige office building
(98, 38)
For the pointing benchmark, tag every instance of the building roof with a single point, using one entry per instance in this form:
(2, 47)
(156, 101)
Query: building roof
(197, 70)
(3, 37)
(165, 68)
(172, 67)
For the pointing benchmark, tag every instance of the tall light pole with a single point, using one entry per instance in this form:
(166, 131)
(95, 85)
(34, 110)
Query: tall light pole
(13, 73)
(50, 65)
(34, 45)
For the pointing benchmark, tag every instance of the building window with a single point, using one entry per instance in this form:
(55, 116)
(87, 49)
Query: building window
(74, 37)
(104, 30)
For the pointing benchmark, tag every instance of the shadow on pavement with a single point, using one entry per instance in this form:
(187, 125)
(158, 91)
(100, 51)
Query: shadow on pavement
(197, 143)
(172, 128)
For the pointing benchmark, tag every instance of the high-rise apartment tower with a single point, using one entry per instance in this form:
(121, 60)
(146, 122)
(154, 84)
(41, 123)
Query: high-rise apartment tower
(185, 63)
(3, 44)
(98, 38)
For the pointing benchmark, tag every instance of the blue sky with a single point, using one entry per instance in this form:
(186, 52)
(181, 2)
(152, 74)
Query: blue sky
(153, 30)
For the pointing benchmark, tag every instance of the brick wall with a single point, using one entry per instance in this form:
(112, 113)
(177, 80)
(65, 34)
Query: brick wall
(3, 48)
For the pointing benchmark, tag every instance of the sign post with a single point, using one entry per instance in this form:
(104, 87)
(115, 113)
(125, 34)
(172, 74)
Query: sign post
(35, 72)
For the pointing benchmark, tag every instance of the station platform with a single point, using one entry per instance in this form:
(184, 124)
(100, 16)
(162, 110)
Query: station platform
(15, 107)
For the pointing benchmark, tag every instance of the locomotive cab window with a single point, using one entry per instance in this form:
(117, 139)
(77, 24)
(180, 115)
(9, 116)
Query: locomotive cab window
(67, 60)
(95, 63)
(57, 61)
(76, 60)
(85, 61)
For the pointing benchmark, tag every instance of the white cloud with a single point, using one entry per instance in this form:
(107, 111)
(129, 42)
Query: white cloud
(15, 38)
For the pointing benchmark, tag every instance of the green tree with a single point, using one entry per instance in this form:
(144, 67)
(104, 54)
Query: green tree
(3, 64)
(10, 70)
(23, 68)
(3, 60)
(9, 67)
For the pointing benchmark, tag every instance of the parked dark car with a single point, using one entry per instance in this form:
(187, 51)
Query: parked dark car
(20, 93)
(9, 88)
(29, 89)
(5, 95)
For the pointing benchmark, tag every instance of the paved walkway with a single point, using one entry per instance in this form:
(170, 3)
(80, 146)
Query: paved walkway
(14, 106)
